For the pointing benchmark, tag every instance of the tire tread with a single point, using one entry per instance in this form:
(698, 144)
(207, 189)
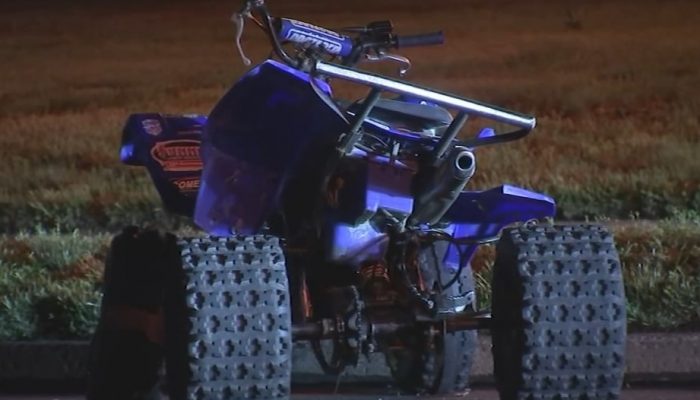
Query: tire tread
(236, 339)
(558, 294)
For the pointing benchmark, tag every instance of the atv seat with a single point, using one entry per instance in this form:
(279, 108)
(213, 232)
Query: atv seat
(414, 117)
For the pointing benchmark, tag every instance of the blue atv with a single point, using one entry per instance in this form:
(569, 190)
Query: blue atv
(347, 224)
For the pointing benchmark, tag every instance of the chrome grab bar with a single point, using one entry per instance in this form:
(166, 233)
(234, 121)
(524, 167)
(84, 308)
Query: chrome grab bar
(471, 107)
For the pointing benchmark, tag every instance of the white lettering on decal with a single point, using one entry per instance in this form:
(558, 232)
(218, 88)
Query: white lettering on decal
(307, 38)
(315, 28)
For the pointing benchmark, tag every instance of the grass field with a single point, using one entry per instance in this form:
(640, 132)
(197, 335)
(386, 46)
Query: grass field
(614, 84)
(49, 282)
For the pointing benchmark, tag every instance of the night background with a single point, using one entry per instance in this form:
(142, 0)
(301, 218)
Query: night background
(614, 85)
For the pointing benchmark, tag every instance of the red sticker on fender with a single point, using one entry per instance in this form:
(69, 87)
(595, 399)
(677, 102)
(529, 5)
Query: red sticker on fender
(178, 155)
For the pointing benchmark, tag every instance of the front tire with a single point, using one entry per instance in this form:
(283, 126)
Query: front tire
(559, 321)
(228, 320)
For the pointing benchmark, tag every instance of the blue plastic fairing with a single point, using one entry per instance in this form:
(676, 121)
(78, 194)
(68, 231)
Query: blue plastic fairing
(168, 146)
(255, 139)
(482, 215)
(355, 244)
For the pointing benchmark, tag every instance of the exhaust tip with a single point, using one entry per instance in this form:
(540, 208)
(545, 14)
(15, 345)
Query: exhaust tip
(464, 162)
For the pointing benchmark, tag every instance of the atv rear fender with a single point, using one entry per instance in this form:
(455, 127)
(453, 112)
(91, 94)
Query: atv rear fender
(480, 217)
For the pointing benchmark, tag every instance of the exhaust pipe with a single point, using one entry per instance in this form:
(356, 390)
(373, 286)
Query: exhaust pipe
(437, 189)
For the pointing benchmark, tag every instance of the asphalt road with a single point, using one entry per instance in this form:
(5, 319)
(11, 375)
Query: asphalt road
(646, 393)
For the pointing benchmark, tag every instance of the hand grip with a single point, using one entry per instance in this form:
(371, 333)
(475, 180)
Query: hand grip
(425, 39)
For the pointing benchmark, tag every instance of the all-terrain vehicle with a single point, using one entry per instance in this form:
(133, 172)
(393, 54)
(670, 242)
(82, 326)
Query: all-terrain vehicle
(348, 222)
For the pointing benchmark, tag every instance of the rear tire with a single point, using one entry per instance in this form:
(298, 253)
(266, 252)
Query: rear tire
(228, 320)
(559, 321)
(126, 353)
(444, 369)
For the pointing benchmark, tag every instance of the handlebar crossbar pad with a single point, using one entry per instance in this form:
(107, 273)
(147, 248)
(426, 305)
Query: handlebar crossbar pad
(425, 39)
(304, 33)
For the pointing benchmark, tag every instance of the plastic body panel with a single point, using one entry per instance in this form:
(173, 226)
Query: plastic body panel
(168, 146)
(364, 183)
(482, 215)
(264, 132)
(475, 216)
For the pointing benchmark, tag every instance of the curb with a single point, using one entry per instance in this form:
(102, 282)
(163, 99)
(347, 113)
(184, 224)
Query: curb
(650, 357)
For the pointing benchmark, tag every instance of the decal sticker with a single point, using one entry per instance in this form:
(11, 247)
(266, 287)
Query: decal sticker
(328, 45)
(311, 27)
(301, 32)
(178, 155)
(194, 131)
(187, 185)
(152, 127)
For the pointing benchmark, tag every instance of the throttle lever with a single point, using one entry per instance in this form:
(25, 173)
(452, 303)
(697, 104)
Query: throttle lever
(382, 56)
(238, 19)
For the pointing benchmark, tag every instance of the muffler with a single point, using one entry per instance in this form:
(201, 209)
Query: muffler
(436, 189)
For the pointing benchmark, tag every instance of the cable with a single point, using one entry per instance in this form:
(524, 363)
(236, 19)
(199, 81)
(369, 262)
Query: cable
(436, 235)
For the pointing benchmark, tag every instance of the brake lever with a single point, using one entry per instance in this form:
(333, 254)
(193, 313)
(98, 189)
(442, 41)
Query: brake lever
(382, 56)
(238, 19)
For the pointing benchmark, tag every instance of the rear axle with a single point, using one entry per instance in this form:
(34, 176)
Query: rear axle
(329, 328)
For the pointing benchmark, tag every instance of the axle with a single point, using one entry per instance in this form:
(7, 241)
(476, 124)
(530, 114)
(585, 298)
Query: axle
(329, 328)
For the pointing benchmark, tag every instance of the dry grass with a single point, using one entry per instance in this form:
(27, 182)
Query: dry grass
(49, 281)
(661, 269)
(613, 82)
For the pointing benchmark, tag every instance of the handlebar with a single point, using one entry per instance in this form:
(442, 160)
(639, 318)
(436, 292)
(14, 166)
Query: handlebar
(426, 39)
(374, 38)
(378, 37)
